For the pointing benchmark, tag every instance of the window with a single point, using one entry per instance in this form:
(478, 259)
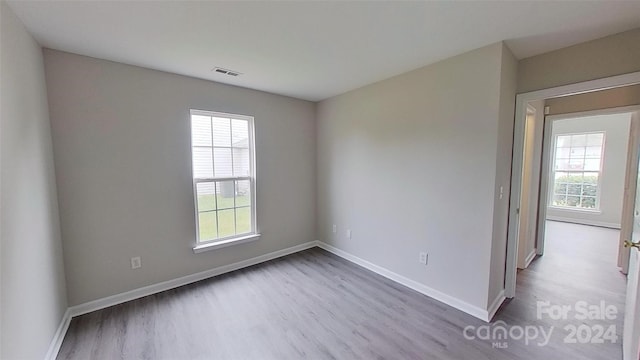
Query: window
(222, 150)
(577, 170)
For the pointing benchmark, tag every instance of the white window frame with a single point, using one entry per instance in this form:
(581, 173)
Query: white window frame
(201, 246)
(552, 178)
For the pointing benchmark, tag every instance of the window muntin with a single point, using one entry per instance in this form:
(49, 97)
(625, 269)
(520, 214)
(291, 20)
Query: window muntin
(577, 170)
(223, 175)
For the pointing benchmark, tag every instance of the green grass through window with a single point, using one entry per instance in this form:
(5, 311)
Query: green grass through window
(218, 219)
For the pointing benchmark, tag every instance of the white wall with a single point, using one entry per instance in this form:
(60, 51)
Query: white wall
(616, 128)
(121, 140)
(32, 291)
(409, 164)
(612, 55)
(504, 143)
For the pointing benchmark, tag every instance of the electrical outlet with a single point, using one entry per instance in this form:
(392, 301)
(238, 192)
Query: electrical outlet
(424, 258)
(335, 229)
(348, 234)
(136, 262)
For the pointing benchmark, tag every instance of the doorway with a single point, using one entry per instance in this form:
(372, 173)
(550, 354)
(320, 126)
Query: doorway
(586, 169)
(549, 190)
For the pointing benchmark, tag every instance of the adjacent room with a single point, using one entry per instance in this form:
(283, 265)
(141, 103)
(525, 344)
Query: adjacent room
(580, 162)
(321, 180)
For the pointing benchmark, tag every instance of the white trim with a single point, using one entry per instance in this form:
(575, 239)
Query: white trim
(472, 310)
(252, 176)
(529, 258)
(219, 114)
(224, 243)
(108, 301)
(544, 185)
(584, 222)
(56, 342)
(170, 284)
(495, 305)
(518, 141)
(607, 111)
(575, 209)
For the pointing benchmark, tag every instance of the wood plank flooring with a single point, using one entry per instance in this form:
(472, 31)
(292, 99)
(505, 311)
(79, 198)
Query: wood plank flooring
(315, 305)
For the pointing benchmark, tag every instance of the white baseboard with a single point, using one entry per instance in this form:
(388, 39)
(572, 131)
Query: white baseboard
(495, 305)
(170, 284)
(529, 258)
(584, 222)
(473, 310)
(98, 304)
(56, 343)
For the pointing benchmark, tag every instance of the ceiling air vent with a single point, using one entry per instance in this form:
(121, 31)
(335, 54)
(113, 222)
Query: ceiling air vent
(225, 71)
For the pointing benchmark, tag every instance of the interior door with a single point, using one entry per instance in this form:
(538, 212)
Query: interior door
(629, 192)
(631, 332)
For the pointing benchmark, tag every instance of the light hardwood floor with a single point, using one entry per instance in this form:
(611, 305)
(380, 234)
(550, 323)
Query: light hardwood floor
(315, 305)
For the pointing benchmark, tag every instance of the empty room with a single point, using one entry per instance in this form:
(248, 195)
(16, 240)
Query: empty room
(319, 180)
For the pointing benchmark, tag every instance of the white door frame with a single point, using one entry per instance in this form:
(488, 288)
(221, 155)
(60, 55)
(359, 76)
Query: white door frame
(543, 196)
(518, 142)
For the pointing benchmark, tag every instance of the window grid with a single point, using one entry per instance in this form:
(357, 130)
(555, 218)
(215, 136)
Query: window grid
(217, 208)
(577, 166)
(241, 215)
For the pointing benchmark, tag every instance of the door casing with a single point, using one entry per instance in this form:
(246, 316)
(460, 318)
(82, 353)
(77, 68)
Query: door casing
(517, 160)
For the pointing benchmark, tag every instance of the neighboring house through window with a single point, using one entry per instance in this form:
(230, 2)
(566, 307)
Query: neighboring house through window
(222, 149)
(577, 170)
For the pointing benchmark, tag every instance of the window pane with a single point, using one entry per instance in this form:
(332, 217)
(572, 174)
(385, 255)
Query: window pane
(590, 178)
(560, 200)
(588, 202)
(222, 162)
(562, 164)
(226, 223)
(563, 153)
(200, 130)
(202, 164)
(207, 223)
(226, 192)
(560, 188)
(593, 152)
(243, 220)
(577, 153)
(595, 139)
(573, 200)
(589, 190)
(221, 131)
(563, 141)
(206, 196)
(243, 193)
(592, 164)
(240, 132)
(578, 140)
(574, 189)
(559, 175)
(576, 164)
(241, 164)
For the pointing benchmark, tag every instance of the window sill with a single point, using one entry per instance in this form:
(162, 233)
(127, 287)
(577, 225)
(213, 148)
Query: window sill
(576, 209)
(224, 243)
